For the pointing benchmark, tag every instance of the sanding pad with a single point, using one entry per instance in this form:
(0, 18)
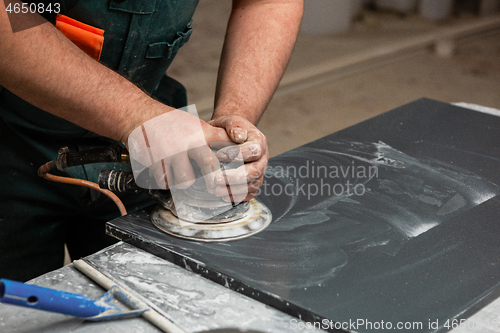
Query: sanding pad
(255, 219)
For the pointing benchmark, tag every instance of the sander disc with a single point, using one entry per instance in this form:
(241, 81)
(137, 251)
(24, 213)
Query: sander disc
(255, 219)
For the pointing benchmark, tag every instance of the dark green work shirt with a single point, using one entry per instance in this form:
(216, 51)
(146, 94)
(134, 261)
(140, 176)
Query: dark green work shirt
(141, 39)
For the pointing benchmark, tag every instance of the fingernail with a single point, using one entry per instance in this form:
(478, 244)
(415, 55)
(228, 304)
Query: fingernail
(239, 135)
(221, 155)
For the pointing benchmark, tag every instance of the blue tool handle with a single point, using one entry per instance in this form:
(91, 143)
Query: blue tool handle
(30, 296)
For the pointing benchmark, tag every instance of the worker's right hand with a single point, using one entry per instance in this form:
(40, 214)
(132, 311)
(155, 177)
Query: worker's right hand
(245, 179)
(163, 146)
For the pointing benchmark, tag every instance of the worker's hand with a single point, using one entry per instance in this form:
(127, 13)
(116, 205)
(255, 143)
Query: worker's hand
(162, 147)
(245, 180)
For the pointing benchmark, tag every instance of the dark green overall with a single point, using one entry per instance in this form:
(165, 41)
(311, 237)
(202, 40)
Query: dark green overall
(37, 216)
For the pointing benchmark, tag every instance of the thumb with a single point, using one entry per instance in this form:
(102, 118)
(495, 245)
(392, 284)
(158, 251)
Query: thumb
(237, 134)
(231, 124)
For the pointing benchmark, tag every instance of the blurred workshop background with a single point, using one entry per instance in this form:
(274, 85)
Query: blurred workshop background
(355, 59)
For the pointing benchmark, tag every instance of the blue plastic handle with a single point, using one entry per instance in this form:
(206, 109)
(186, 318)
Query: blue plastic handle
(30, 296)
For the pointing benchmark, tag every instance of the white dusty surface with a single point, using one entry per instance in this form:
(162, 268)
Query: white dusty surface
(192, 302)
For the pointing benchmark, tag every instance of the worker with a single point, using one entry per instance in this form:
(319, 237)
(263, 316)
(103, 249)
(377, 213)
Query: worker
(54, 93)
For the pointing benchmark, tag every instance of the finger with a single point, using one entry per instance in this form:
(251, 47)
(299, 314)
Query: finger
(252, 191)
(251, 150)
(183, 171)
(256, 140)
(208, 163)
(238, 134)
(222, 191)
(230, 153)
(239, 198)
(247, 152)
(234, 126)
(242, 175)
(162, 173)
(216, 136)
(220, 145)
(251, 187)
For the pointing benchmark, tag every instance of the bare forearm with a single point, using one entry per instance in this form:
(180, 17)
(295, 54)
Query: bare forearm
(259, 41)
(44, 68)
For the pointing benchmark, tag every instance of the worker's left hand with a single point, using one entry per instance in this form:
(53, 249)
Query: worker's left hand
(245, 180)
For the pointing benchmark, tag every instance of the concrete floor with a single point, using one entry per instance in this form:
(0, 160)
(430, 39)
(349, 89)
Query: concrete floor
(306, 110)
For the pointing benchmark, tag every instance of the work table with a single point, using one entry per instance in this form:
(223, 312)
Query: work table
(192, 302)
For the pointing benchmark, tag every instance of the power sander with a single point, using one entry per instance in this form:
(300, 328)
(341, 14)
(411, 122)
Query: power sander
(195, 214)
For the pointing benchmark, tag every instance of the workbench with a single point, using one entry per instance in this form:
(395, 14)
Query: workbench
(198, 304)
(194, 303)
